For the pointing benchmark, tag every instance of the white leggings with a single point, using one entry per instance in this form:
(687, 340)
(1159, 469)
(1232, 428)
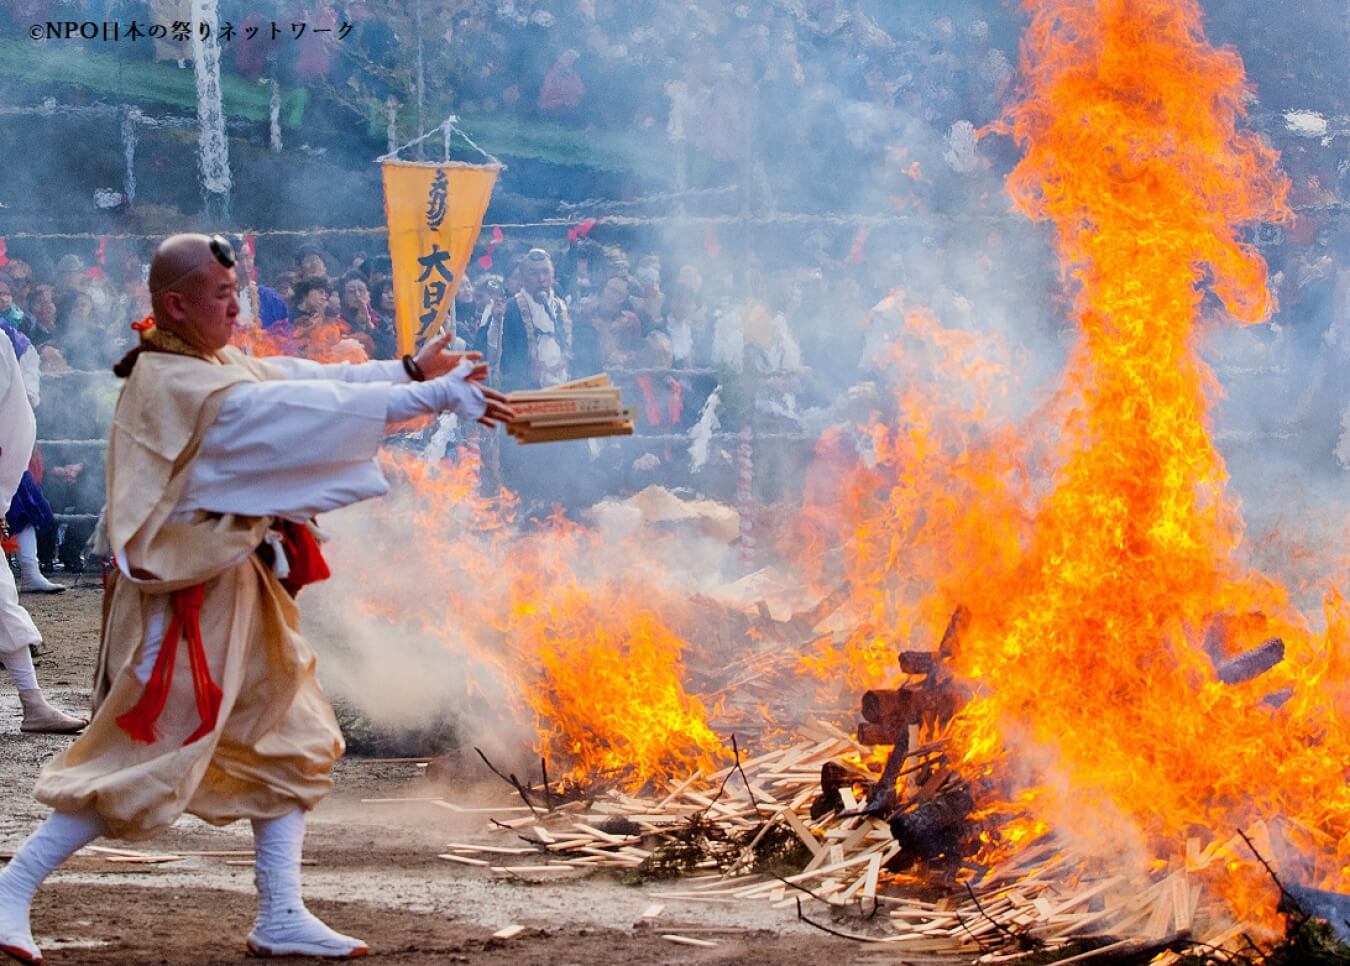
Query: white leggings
(19, 663)
(27, 541)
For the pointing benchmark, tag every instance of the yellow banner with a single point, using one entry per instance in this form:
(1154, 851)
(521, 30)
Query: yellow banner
(434, 213)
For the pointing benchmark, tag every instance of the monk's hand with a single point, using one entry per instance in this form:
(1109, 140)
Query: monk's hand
(498, 409)
(436, 359)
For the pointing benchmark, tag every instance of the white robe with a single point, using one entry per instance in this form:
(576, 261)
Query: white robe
(18, 431)
(291, 448)
(298, 447)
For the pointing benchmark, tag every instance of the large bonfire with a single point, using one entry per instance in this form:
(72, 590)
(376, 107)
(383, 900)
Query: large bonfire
(1093, 542)
(1102, 601)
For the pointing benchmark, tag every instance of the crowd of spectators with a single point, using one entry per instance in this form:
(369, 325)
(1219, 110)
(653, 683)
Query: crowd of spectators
(783, 331)
(813, 106)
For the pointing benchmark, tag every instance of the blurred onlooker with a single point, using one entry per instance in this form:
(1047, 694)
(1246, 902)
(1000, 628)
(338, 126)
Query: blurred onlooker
(40, 323)
(70, 275)
(382, 304)
(686, 324)
(20, 276)
(83, 341)
(310, 301)
(10, 313)
(377, 269)
(272, 308)
(563, 89)
(466, 313)
(616, 326)
(536, 336)
(378, 340)
(309, 262)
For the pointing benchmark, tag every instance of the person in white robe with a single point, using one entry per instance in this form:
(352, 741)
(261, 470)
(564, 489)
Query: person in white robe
(17, 631)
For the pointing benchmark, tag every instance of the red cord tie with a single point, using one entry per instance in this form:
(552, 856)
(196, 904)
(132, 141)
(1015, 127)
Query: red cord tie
(139, 722)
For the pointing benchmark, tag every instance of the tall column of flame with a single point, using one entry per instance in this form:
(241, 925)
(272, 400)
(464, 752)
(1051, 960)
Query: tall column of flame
(1090, 645)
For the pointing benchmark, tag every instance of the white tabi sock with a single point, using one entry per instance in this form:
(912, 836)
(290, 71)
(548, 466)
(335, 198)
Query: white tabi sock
(55, 840)
(284, 926)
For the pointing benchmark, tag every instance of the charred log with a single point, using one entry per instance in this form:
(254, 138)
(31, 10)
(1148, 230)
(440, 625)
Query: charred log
(834, 776)
(881, 797)
(901, 707)
(935, 827)
(918, 662)
(872, 733)
(898, 704)
(1253, 663)
(951, 637)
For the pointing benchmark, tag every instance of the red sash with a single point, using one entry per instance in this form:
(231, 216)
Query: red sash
(139, 722)
(307, 567)
(303, 555)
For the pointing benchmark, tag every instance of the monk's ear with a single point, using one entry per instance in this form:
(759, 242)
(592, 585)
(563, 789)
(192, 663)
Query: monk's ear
(175, 306)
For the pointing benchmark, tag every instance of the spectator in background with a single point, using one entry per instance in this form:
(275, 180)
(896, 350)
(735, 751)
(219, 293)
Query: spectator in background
(10, 313)
(466, 313)
(21, 278)
(536, 337)
(651, 300)
(616, 327)
(310, 302)
(490, 300)
(561, 93)
(82, 339)
(40, 322)
(686, 323)
(286, 289)
(382, 303)
(70, 274)
(309, 262)
(272, 308)
(378, 341)
(377, 269)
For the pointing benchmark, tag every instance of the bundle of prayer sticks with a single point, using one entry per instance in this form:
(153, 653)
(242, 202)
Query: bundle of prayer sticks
(581, 409)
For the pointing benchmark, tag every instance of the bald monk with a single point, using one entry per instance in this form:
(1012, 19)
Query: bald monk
(205, 698)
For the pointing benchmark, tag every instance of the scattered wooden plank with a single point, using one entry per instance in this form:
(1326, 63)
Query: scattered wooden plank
(463, 859)
(687, 940)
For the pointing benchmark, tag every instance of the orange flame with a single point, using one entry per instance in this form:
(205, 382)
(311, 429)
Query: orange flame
(1093, 590)
(324, 341)
(584, 651)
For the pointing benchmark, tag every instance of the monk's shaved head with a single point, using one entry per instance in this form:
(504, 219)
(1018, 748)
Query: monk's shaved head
(177, 258)
(193, 292)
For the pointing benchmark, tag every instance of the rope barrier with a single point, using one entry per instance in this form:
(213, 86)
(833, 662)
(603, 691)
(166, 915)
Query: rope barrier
(622, 221)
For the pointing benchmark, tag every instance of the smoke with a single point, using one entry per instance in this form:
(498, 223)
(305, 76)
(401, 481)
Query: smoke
(560, 639)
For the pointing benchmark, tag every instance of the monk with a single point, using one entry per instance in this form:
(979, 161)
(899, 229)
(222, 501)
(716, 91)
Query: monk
(205, 697)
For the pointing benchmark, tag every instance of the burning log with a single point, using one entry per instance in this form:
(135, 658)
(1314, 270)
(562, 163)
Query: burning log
(879, 706)
(1253, 663)
(901, 707)
(951, 637)
(935, 827)
(872, 733)
(918, 662)
(1318, 904)
(881, 797)
(834, 776)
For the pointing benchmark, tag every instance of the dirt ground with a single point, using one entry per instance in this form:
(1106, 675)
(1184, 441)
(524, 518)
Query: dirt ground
(375, 871)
